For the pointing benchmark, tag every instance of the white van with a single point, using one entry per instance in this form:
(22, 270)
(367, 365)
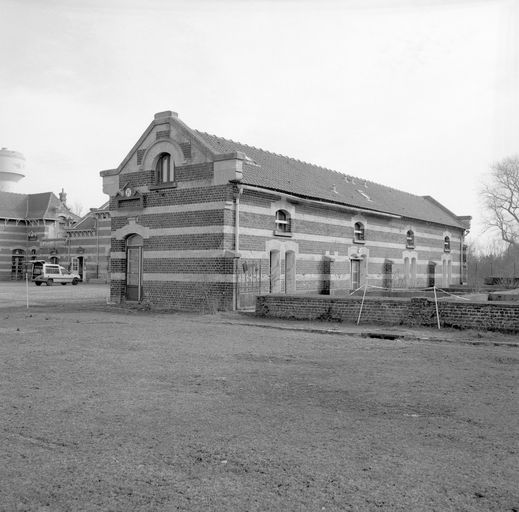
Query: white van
(50, 273)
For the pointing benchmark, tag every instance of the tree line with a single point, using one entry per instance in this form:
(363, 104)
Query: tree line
(500, 199)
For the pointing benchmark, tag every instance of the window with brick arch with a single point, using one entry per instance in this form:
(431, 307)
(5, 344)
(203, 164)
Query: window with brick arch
(447, 244)
(358, 232)
(283, 221)
(409, 240)
(165, 169)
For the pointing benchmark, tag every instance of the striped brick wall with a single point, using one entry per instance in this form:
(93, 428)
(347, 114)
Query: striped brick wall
(92, 246)
(14, 236)
(323, 240)
(187, 259)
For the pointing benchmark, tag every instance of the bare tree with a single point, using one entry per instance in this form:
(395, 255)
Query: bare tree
(501, 199)
(77, 209)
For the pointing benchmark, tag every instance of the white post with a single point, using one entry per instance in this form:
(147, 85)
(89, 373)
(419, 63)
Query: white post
(362, 303)
(436, 304)
(27, 288)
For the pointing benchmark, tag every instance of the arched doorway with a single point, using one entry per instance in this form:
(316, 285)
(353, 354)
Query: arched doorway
(17, 264)
(78, 266)
(290, 272)
(355, 273)
(413, 271)
(134, 245)
(275, 272)
(431, 274)
(407, 273)
(387, 275)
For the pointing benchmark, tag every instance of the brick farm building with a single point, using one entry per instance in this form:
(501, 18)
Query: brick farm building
(198, 221)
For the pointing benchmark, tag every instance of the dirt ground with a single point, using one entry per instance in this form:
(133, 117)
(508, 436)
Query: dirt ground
(122, 410)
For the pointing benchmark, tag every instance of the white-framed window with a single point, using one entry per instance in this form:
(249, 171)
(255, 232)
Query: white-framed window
(165, 169)
(283, 224)
(409, 239)
(447, 244)
(358, 232)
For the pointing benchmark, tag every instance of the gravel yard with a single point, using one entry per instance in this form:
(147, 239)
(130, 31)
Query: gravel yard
(116, 410)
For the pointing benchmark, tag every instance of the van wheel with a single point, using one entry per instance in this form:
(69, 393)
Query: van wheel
(75, 281)
(50, 282)
(63, 284)
(37, 283)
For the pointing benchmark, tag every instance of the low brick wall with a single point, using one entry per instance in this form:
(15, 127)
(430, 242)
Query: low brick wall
(490, 316)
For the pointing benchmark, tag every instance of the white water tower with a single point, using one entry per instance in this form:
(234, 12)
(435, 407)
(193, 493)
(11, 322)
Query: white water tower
(12, 168)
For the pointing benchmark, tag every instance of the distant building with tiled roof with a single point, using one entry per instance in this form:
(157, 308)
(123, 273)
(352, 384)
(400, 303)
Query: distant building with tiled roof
(42, 227)
(203, 221)
(32, 226)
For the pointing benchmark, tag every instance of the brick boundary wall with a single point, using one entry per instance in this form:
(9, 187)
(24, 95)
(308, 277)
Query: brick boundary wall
(491, 316)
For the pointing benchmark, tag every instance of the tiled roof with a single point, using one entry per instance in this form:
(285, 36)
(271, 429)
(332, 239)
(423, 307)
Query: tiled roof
(42, 205)
(32, 206)
(27, 206)
(285, 174)
(13, 206)
(88, 220)
(86, 223)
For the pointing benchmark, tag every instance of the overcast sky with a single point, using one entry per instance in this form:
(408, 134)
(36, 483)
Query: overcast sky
(420, 95)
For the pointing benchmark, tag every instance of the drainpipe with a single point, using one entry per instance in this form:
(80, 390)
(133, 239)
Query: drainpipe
(237, 193)
(97, 245)
(69, 243)
(463, 276)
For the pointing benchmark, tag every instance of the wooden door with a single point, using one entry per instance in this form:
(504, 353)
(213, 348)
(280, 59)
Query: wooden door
(134, 245)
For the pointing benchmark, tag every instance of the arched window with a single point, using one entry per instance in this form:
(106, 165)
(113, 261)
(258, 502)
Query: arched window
(358, 232)
(409, 240)
(165, 169)
(283, 222)
(446, 244)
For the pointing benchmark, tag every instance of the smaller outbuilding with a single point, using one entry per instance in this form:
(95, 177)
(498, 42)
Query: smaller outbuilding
(89, 245)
